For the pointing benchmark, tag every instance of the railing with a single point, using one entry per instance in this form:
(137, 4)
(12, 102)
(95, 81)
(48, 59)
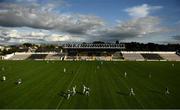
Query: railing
(150, 52)
(94, 46)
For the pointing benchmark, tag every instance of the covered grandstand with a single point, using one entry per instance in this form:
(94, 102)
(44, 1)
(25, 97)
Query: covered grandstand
(94, 46)
(92, 51)
(105, 52)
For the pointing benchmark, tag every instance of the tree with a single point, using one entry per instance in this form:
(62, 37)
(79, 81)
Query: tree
(27, 44)
(117, 42)
(98, 42)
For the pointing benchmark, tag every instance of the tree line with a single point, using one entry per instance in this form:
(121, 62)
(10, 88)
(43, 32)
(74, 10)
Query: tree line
(132, 46)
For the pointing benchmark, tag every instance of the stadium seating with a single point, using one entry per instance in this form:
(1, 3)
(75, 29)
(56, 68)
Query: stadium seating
(171, 57)
(53, 57)
(37, 56)
(150, 56)
(133, 56)
(20, 56)
(85, 57)
(117, 55)
(70, 58)
(178, 52)
(102, 58)
(100, 55)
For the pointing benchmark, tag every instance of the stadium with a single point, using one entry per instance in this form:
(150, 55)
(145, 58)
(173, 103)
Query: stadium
(47, 77)
(52, 57)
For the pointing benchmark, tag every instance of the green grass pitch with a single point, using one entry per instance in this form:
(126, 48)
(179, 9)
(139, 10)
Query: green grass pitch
(43, 84)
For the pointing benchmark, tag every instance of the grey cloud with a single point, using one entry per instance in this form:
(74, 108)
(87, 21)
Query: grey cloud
(85, 32)
(14, 15)
(176, 37)
(75, 27)
(14, 35)
(132, 28)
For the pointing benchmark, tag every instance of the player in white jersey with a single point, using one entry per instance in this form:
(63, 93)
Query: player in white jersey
(4, 78)
(64, 70)
(19, 81)
(84, 88)
(132, 92)
(167, 91)
(74, 90)
(68, 94)
(101, 63)
(125, 74)
(87, 91)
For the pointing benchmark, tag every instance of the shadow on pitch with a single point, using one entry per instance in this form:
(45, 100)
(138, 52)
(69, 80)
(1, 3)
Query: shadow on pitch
(155, 91)
(80, 93)
(63, 94)
(122, 93)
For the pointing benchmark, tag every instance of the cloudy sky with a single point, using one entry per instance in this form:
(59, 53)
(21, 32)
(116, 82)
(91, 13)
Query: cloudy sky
(52, 21)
